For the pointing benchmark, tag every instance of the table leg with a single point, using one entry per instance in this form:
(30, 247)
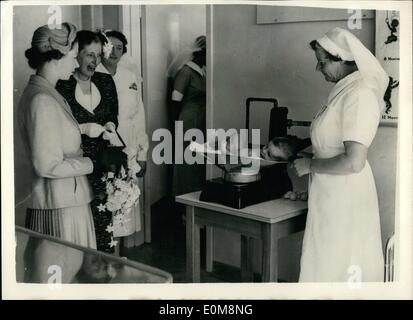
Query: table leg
(209, 248)
(271, 234)
(269, 254)
(192, 246)
(247, 274)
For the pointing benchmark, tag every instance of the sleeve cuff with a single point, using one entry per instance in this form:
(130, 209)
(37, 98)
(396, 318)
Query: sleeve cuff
(177, 96)
(364, 141)
(82, 128)
(89, 163)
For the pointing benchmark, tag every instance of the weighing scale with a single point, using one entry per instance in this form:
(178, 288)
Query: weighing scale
(239, 188)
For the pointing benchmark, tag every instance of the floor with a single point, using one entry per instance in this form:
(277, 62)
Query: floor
(167, 249)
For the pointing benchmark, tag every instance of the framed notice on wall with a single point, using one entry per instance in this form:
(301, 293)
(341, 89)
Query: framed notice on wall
(388, 53)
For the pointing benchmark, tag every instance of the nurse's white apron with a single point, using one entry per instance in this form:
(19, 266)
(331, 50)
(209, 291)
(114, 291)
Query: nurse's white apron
(342, 240)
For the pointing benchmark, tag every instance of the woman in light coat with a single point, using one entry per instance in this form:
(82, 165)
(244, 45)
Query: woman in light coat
(60, 197)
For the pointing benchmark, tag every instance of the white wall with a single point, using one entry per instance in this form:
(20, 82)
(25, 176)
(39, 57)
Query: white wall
(166, 30)
(275, 60)
(26, 20)
(111, 17)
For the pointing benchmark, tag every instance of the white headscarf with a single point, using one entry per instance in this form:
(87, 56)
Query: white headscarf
(346, 46)
(185, 56)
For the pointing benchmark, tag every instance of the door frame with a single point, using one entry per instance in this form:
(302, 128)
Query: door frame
(210, 76)
(130, 22)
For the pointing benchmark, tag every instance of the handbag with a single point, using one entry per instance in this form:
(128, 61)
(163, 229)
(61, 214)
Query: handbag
(111, 158)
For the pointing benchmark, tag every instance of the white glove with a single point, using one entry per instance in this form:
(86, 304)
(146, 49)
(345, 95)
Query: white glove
(108, 135)
(110, 126)
(91, 129)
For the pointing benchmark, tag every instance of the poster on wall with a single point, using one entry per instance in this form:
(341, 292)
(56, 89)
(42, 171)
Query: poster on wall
(387, 52)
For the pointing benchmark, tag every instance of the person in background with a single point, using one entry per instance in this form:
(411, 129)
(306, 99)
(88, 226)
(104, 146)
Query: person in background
(94, 103)
(131, 117)
(189, 101)
(59, 202)
(342, 235)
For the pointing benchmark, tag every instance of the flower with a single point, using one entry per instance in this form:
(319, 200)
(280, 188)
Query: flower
(110, 228)
(107, 48)
(122, 172)
(101, 207)
(122, 193)
(113, 243)
(110, 189)
(113, 206)
(119, 183)
(120, 196)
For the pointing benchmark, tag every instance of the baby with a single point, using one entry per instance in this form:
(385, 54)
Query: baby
(279, 149)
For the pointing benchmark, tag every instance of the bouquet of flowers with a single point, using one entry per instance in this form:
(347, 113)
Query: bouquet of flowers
(122, 194)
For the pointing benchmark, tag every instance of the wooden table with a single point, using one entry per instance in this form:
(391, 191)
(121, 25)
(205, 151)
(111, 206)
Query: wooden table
(266, 221)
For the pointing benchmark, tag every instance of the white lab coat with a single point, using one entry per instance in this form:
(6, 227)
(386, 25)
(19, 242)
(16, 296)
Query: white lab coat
(342, 240)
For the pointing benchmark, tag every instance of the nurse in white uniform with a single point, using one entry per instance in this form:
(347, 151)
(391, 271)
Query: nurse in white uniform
(342, 238)
(132, 125)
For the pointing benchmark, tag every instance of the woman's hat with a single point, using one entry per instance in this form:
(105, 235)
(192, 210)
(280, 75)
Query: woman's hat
(61, 39)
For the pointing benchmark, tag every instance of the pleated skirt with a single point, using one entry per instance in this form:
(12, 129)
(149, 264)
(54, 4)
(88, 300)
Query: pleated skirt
(73, 224)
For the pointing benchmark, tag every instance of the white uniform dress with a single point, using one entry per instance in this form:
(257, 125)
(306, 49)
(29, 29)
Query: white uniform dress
(342, 239)
(131, 128)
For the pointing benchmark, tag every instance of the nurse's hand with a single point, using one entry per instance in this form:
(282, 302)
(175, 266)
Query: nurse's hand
(302, 166)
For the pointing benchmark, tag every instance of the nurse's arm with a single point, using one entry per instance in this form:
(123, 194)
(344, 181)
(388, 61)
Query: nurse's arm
(181, 83)
(177, 99)
(352, 160)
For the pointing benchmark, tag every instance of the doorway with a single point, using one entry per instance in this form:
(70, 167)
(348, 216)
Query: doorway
(156, 34)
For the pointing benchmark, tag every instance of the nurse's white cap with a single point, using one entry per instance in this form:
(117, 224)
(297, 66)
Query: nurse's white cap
(343, 44)
(335, 43)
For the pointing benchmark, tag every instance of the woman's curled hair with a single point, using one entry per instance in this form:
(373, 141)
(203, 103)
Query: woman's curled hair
(36, 58)
(86, 37)
(120, 36)
(50, 44)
